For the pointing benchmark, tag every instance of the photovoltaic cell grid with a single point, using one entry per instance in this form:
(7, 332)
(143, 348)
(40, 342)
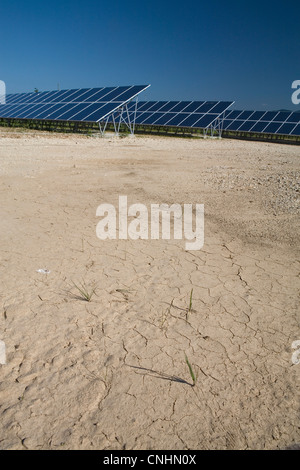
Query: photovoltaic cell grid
(86, 104)
(196, 114)
(96, 104)
(269, 122)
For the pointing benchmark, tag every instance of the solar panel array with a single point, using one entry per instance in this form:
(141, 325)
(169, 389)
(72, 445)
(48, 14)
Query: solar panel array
(86, 104)
(269, 122)
(196, 114)
(201, 114)
(98, 105)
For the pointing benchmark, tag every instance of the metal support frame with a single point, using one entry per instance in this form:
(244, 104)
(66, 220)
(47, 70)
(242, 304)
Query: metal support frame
(216, 127)
(120, 116)
(102, 129)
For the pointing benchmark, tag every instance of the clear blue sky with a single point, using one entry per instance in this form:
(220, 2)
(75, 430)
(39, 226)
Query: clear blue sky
(187, 50)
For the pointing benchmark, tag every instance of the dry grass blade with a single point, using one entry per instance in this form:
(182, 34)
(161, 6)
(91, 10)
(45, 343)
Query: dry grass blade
(191, 301)
(86, 292)
(191, 371)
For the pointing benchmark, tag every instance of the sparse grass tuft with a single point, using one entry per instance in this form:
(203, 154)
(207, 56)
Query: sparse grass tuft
(86, 292)
(191, 371)
(166, 314)
(191, 302)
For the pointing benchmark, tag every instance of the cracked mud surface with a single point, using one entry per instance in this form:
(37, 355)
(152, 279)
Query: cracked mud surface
(111, 373)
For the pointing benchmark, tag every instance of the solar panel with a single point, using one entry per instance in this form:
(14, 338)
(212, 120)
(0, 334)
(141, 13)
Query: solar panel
(86, 104)
(99, 104)
(196, 114)
(267, 122)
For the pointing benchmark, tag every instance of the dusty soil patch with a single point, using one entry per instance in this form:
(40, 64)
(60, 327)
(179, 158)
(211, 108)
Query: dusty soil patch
(111, 373)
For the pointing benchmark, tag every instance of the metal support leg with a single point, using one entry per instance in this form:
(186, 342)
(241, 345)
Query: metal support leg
(120, 116)
(134, 117)
(102, 129)
(124, 118)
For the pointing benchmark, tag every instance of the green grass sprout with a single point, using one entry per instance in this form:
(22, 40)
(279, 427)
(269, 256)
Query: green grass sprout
(85, 291)
(191, 301)
(191, 371)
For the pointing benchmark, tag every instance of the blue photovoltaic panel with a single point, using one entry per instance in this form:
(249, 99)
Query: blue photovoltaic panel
(166, 106)
(138, 117)
(293, 117)
(270, 115)
(233, 125)
(232, 114)
(179, 106)
(246, 126)
(257, 115)
(272, 127)
(146, 105)
(282, 116)
(259, 126)
(155, 107)
(245, 115)
(216, 109)
(96, 104)
(197, 114)
(208, 106)
(193, 107)
(170, 107)
(176, 120)
(149, 118)
(268, 122)
(286, 128)
(296, 130)
(191, 120)
(86, 104)
(206, 120)
(164, 119)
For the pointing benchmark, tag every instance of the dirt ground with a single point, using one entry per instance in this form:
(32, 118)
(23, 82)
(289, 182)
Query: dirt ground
(111, 373)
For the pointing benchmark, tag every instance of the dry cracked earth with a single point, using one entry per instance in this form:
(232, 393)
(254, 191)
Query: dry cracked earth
(111, 373)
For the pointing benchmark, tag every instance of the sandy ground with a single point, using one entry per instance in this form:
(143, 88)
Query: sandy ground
(111, 373)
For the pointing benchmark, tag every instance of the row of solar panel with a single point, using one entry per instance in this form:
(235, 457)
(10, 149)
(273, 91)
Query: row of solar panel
(269, 116)
(173, 119)
(162, 113)
(87, 95)
(179, 111)
(200, 114)
(268, 122)
(89, 105)
(97, 104)
(215, 107)
(286, 128)
(93, 112)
